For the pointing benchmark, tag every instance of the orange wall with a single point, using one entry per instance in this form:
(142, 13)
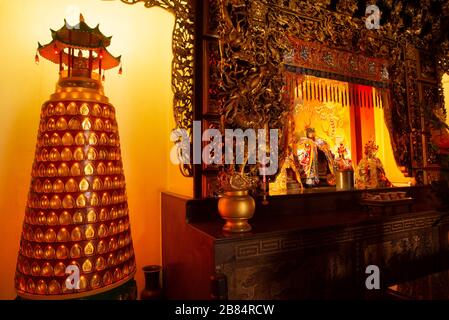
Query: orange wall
(142, 97)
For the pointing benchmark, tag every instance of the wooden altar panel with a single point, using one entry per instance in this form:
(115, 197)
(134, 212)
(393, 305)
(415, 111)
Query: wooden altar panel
(186, 254)
(278, 268)
(299, 249)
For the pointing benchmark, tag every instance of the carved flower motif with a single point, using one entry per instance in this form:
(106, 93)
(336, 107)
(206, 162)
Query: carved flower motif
(305, 53)
(328, 58)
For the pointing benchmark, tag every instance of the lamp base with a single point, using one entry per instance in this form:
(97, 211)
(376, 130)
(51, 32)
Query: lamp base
(127, 291)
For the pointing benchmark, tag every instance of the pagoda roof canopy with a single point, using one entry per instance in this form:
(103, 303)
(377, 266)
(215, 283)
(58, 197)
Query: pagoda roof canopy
(51, 52)
(61, 50)
(81, 36)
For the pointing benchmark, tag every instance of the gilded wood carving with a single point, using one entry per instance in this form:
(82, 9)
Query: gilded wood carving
(254, 44)
(183, 62)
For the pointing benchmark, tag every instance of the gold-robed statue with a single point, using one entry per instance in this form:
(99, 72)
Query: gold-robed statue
(316, 159)
(370, 172)
(289, 177)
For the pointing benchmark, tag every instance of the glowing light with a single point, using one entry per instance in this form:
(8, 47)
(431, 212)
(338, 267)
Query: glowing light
(72, 15)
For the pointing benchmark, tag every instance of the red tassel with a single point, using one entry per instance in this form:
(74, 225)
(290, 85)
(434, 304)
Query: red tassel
(36, 59)
(120, 71)
(103, 78)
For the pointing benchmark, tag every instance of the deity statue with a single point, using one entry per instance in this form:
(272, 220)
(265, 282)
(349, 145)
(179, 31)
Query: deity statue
(80, 65)
(291, 162)
(370, 172)
(316, 159)
(341, 162)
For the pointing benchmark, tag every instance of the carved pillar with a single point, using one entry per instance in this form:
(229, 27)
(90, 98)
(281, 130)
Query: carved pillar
(432, 104)
(423, 100)
(416, 120)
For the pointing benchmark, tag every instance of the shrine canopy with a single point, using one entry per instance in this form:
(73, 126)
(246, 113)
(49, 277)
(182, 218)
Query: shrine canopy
(80, 48)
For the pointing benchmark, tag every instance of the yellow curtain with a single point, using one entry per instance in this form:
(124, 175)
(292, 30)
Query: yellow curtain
(385, 153)
(324, 105)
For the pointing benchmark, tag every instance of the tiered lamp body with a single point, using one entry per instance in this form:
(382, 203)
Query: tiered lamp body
(77, 211)
(76, 237)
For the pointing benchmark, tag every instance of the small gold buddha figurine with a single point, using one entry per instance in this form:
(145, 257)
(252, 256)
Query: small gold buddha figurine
(370, 172)
(341, 162)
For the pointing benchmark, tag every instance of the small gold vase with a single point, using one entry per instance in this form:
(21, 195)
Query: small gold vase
(236, 207)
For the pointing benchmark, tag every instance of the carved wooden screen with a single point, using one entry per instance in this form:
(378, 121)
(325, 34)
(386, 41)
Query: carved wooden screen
(251, 36)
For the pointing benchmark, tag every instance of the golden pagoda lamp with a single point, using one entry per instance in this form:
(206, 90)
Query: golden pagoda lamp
(76, 238)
